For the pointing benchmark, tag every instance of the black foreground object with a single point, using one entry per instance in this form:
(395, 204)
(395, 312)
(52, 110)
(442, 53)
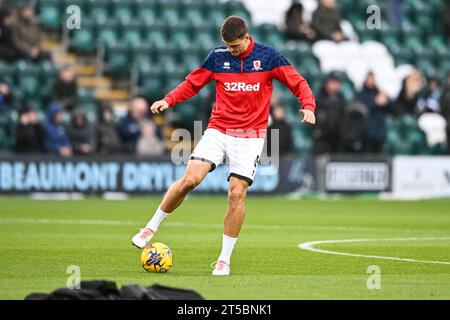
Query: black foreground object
(107, 290)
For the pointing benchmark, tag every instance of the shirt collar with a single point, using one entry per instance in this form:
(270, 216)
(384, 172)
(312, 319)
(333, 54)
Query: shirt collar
(249, 49)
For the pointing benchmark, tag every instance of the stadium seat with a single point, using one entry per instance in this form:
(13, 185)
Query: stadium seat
(302, 140)
(216, 16)
(181, 40)
(7, 72)
(170, 17)
(107, 33)
(193, 17)
(123, 11)
(48, 73)
(83, 40)
(131, 33)
(28, 79)
(50, 14)
(146, 12)
(100, 10)
(117, 59)
(152, 89)
(142, 56)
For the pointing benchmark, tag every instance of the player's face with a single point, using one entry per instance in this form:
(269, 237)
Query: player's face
(237, 47)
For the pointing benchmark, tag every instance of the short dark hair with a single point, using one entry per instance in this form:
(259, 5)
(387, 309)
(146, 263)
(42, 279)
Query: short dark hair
(233, 28)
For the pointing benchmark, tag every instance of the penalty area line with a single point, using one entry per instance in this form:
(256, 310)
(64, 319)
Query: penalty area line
(310, 246)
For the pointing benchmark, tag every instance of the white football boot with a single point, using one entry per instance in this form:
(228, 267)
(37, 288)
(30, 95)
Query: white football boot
(143, 237)
(222, 269)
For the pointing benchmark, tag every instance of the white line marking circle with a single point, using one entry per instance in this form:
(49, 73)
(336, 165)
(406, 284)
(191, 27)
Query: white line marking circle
(310, 246)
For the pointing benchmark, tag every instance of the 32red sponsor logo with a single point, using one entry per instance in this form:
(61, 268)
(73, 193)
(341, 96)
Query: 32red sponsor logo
(241, 86)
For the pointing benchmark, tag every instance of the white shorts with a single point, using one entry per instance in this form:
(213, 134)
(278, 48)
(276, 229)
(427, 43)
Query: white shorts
(243, 153)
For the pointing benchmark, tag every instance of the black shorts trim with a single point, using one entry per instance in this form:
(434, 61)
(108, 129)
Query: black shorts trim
(213, 165)
(250, 181)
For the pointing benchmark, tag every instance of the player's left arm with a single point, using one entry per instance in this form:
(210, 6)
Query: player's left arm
(289, 76)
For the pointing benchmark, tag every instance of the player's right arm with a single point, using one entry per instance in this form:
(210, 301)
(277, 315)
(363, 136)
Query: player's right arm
(193, 83)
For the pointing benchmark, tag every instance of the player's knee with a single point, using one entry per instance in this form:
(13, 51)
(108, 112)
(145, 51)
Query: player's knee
(236, 195)
(188, 184)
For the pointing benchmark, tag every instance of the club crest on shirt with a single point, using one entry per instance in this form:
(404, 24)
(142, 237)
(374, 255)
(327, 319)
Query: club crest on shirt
(256, 65)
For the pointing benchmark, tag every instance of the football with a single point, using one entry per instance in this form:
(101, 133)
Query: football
(156, 257)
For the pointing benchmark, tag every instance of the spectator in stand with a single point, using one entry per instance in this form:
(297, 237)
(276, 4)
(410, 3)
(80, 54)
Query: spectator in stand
(279, 123)
(8, 50)
(330, 109)
(65, 88)
(445, 108)
(6, 98)
(130, 125)
(27, 33)
(379, 107)
(395, 12)
(149, 143)
(29, 132)
(56, 140)
(296, 28)
(406, 102)
(81, 133)
(326, 21)
(430, 97)
(353, 128)
(107, 135)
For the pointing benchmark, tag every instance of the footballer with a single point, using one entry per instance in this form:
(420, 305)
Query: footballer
(243, 71)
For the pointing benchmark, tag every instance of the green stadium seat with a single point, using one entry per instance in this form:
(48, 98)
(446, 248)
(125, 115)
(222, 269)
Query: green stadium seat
(232, 6)
(304, 49)
(83, 40)
(154, 71)
(131, 33)
(181, 40)
(123, 11)
(155, 37)
(50, 14)
(7, 72)
(204, 40)
(48, 72)
(275, 40)
(117, 59)
(146, 12)
(191, 61)
(193, 17)
(215, 16)
(170, 17)
(142, 56)
(302, 140)
(28, 78)
(107, 33)
(152, 89)
(91, 110)
(100, 10)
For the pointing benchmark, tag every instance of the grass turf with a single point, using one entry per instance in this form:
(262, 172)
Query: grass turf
(40, 239)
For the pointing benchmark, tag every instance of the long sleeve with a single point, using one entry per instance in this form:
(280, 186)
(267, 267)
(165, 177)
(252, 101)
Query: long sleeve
(297, 84)
(193, 83)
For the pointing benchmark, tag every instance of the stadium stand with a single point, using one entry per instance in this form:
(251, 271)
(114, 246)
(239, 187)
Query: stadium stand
(146, 47)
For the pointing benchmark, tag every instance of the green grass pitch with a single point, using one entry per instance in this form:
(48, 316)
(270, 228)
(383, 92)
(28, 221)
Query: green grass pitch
(40, 239)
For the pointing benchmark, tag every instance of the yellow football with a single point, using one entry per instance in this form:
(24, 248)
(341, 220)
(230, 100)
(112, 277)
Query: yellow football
(156, 257)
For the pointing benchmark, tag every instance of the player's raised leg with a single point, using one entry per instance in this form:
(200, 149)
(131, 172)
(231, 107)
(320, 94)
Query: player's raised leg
(234, 218)
(196, 171)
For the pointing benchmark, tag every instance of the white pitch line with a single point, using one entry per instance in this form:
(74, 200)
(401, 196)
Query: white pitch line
(310, 246)
(200, 225)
